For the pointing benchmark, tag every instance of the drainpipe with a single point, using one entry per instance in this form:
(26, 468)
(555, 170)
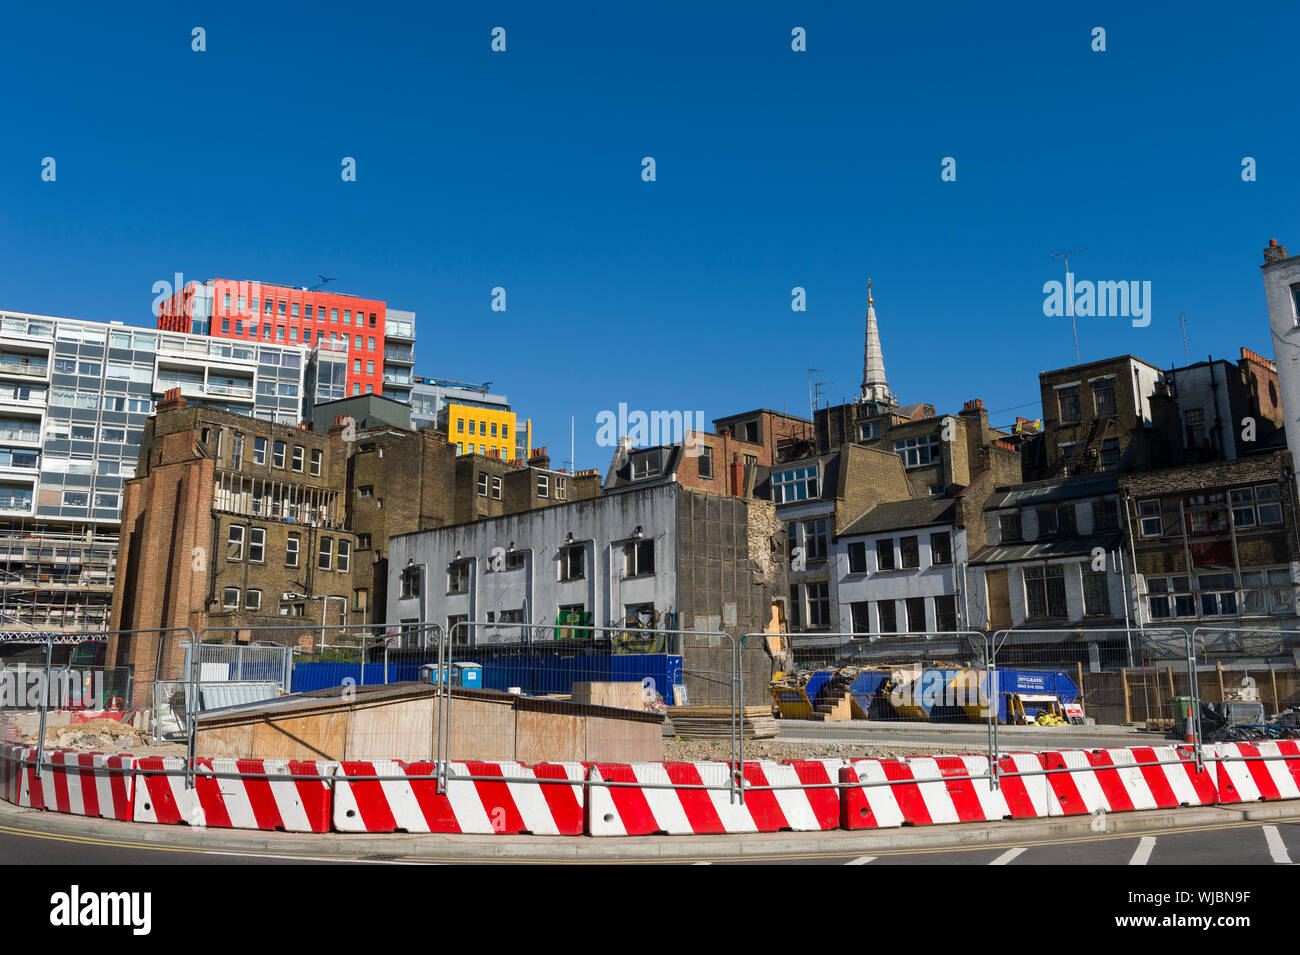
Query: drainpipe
(1125, 498)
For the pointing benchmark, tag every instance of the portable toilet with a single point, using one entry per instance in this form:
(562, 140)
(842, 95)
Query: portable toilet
(467, 674)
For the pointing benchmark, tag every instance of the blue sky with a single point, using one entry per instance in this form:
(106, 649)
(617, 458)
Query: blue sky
(775, 169)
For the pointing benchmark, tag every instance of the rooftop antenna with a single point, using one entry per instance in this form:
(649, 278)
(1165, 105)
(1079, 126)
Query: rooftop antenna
(1069, 295)
(1182, 322)
(814, 392)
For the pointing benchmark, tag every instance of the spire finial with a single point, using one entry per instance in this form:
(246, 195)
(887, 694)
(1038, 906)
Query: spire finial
(868, 291)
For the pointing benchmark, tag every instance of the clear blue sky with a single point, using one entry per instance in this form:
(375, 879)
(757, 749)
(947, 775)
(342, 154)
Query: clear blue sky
(774, 169)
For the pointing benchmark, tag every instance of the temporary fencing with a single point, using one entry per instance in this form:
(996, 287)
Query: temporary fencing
(503, 727)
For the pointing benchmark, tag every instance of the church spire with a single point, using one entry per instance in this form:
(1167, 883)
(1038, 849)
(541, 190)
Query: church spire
(874, 386)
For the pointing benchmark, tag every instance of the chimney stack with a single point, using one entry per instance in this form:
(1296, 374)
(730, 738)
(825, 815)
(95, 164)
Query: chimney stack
(1274, 252)
(171, 399)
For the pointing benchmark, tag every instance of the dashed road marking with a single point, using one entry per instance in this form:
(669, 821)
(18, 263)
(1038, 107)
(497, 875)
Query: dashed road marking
(1276, 847)
(1142, 854)
(1007, 856)
(861, 860)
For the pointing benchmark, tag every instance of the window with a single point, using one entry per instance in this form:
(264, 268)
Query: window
(794, 484)
(910, 550)
(646, 464)
(543, 485)
(941, 549)
(483, 483)
(1150, 519)
(887, 614)
(277, 455)
(514, 560)
(638, 558)
(1252, 506)
(325, 555)
(235, 542)
(230, 598)
(237, 451)
(869, 431)
(1045, 592)
(72, 499)
(410, 578)
(1010, 524)
(915, 608)
(363, 542)
(918, 451)
(1267, 592)
(1218, 595)
(496, 487)
(1196, 428)
(945, 613)
(795, 615)
(1105, 515)
(572, 562)
(815, 539)
(1109, 454)
(1096, 592)
(1103, 397)
(344, 563)
(252, 600)
(857, 558)
(291, 545)
(561, 488)
(1170, 597)
(819, 604)
(257, 544)
(458, 577)
(885, 554)
(1207, 513)
(706, 462)
(370, 368)
(298, 452)
(1068, 398)
(317, 456)
(860, 616)
(366, 490)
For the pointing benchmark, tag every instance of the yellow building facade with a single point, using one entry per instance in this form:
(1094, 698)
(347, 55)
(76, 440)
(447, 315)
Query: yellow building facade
(481, 430)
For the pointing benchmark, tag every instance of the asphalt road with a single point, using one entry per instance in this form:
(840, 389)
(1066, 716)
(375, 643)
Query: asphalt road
(960, 737)
(1236, 843)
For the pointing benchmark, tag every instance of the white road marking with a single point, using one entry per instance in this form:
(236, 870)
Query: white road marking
(701, 863)
(1007, 856)
(1142, 854)
(861, 860)
(1276, 847)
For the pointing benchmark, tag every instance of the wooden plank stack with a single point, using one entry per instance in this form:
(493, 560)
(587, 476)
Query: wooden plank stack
(714, 722)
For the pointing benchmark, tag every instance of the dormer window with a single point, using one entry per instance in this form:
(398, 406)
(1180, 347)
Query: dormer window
(647, 464)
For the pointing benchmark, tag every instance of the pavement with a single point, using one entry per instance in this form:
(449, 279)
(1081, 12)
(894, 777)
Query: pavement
(1259, 834)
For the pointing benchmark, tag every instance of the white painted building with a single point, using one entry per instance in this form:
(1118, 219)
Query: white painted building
(1282, 291)
(898, 569)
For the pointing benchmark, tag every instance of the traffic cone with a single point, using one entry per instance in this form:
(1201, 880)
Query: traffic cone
(1189, 733)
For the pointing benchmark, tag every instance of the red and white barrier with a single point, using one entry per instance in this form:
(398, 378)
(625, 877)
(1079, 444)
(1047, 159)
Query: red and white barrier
(644, 798)
(646, 808)
(226, 801)
(509, 806)
(1110, 780)
(88, 784)
(1241, 778)
(21, 783)
(927, 790)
